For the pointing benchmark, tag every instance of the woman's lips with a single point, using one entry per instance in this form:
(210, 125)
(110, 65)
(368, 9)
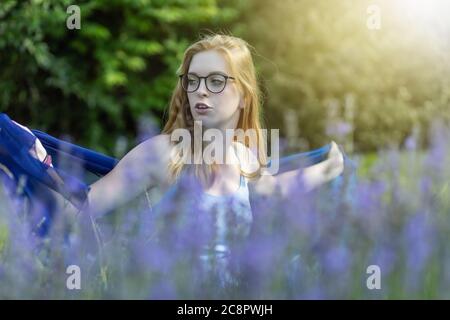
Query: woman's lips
(202, 108)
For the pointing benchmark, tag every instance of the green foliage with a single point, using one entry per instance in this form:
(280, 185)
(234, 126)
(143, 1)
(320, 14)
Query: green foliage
(95, 83)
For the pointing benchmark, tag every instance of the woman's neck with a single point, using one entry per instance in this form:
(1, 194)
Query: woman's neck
(213, 174)
(224, 179)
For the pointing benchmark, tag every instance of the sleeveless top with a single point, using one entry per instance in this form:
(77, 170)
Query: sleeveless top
(233, 220)
(233, 214)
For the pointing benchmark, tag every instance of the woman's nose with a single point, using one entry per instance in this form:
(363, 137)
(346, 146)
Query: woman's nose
(202, 90)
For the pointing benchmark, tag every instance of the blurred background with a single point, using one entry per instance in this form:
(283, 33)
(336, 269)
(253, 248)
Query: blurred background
(369, 74)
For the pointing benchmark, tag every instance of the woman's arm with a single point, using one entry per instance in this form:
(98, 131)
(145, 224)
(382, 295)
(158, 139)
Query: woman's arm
(311, 177)
(142, 168)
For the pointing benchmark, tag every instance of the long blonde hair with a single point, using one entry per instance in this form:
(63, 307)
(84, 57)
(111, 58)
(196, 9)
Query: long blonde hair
(242, 67)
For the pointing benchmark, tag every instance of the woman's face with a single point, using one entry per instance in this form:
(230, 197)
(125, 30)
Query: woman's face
(215, 110)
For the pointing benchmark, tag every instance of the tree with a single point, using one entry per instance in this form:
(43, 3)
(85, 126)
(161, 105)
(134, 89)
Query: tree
(95, 83)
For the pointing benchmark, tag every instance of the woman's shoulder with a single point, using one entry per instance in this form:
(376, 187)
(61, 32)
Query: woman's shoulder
(151, 152)
(248, 159)
(157, 145)
(158, 141)
(150, 158)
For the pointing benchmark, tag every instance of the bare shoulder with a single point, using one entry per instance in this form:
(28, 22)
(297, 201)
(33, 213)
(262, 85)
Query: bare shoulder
(149, 158)
(160, 142)
(247, 158)
(263, 184)
(155, 147)
(153, 152)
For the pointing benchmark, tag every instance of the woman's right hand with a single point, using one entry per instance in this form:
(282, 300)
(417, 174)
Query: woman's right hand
(37, 151)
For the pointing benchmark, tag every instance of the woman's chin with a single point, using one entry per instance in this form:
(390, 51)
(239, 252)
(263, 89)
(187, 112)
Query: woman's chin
(206, 122)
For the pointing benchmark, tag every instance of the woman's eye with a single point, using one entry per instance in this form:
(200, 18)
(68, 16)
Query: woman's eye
(217, 81)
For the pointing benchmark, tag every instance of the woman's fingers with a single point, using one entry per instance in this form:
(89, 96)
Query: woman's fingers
(37, 151)
(335, 161)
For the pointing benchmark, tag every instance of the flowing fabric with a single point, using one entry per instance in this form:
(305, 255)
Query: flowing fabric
(37, 178)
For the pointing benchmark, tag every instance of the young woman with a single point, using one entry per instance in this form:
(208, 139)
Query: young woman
(217, 92)
(217, 89)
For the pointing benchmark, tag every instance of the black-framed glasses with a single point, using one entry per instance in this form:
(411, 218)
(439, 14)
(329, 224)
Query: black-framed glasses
(215, 82)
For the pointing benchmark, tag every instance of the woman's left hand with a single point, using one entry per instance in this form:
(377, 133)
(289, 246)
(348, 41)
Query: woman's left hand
(312, 177)
(334, 165)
